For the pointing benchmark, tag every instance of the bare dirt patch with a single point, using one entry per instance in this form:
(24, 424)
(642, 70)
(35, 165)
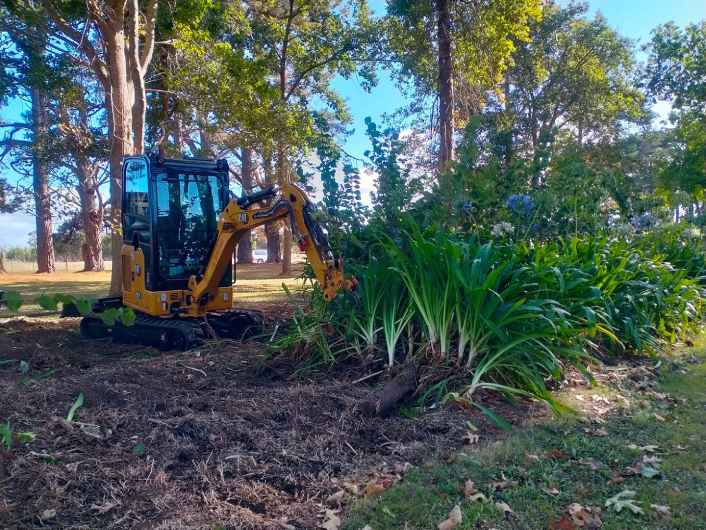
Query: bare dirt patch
(211, 438)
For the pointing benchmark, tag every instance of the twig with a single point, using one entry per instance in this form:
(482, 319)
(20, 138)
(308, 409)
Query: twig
(194, 369)
(351, 448)
(365, 378)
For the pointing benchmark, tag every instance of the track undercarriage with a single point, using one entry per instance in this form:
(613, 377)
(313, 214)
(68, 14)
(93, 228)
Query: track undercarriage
(171, 333)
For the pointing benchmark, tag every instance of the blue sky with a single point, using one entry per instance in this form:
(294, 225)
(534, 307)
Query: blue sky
(634, 19)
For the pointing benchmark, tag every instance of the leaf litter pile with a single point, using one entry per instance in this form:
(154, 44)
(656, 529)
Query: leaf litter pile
(123, 436)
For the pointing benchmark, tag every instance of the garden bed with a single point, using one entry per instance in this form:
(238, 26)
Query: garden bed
(197, 439)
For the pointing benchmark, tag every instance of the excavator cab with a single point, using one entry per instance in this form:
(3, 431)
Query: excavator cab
(171, 210)
(180, 226)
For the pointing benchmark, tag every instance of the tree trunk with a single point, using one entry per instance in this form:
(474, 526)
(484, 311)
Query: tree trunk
(2, 262)
(40, 174)
(244, 251)
(91, 217)
(286, 250)
(119, 108)
(445, 88)
(274, 252)
(282, 175)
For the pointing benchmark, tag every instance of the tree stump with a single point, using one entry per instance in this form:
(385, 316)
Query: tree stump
(392, 393)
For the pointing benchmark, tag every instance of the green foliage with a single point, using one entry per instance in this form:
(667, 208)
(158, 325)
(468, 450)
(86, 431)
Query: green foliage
(676, 66)
(484, 39)
(6, 435)
(77, 404)
(12, 300)
(114, 315)
(515, 313)
(395, 184)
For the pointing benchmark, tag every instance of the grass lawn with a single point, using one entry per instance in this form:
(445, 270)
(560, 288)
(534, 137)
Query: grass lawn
(655, 447)
(254, 284)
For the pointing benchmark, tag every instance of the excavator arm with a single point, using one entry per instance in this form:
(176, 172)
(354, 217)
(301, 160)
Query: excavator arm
(239, 217)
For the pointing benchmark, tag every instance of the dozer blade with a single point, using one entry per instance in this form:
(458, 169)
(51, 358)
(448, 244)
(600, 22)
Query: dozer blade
(237, 324)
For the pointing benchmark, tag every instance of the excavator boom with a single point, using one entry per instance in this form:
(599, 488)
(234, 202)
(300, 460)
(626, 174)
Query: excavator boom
(239, 218)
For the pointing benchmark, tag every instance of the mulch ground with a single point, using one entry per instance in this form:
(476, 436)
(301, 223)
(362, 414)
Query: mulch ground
(212, 438)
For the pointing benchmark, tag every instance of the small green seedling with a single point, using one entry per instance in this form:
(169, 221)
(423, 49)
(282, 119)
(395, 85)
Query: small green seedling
(12, 300)
(74, 408)
(6, 435)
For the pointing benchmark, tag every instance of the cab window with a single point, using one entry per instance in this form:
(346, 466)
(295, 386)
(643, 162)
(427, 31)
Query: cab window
(136, 208)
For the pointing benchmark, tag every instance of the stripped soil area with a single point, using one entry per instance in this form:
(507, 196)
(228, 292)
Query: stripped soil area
(218, 437)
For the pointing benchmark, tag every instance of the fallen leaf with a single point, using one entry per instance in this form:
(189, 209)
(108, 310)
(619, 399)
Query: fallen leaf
(503, 483)
(531, 457)
(649, 448)
(455, 518)
(504, 507)
(351, 488)
(557, 454)
(331, 521)
(658, 417)
(48, 514)
(595, 465)
(376, 486)
(565, 523)
(478, 497)
(469, 488)
(660, 509)
(335, 498)
(551, 491)
(600, 432)
(584, 516)
(367, 527)
(651, 459)
(624, 499)
(105, 508)
(648, 471)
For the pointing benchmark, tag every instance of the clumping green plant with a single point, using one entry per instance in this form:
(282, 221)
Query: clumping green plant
(516, 312)
(397, 313)
(424, 269)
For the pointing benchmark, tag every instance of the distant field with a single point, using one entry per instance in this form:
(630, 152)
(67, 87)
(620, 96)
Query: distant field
(14, 266)
(254, 284)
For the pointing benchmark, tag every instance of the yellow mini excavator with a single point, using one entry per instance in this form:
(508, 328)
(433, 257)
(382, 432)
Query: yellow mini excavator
(180, 225)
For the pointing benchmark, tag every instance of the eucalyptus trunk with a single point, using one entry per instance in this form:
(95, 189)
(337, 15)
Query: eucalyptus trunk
(445, 85)
(91, 217)
(40, 181)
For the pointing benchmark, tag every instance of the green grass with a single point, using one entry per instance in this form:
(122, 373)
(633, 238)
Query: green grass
(255, 284)
(426, 495)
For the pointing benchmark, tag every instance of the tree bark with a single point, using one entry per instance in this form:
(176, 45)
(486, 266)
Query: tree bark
(121, 138)
(40, 181)
(395, 391)
(274, 252)
(282, 177)
(244, 251)
(445, 88)
(91, 217)
(446, 92)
